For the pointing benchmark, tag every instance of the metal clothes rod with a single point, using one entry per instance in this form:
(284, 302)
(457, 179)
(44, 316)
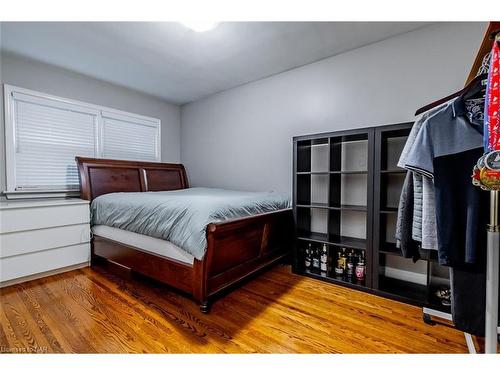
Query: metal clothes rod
(492, 277)
(493, 267)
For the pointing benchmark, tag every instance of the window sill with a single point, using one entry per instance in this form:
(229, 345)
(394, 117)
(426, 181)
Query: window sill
(40, 194)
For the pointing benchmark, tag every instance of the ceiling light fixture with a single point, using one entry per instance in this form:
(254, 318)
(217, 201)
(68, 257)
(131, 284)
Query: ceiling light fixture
(200, 25)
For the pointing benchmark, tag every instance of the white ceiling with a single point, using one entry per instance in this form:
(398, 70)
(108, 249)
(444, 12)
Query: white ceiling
(167, 60)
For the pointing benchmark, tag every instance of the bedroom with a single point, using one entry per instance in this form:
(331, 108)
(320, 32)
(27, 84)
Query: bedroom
(244, 186)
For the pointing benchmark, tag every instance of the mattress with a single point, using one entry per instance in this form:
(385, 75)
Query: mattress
(149, 244)
(181, 216)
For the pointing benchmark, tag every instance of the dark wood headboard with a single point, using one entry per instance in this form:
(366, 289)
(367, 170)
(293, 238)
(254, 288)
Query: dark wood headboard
(103, 176)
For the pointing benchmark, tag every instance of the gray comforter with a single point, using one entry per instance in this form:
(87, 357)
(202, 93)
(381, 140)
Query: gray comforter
(181, 216)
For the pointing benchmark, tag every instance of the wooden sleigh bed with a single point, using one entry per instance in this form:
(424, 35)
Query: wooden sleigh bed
(236, 249)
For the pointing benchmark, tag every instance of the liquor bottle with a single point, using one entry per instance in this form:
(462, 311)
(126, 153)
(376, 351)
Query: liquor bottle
(350, 264)
(342, 261)
(360, 267)
(324, 260)
(339, 270)
(307, 257)
(315, 259)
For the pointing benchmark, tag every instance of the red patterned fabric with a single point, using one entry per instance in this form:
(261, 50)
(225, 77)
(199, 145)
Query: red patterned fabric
(492, 106)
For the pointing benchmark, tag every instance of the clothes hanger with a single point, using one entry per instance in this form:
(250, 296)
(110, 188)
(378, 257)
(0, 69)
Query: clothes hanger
(476, 88)
(495, 35)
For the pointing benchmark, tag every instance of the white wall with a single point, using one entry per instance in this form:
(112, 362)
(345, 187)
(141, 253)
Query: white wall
(242, 138)
(38, 76)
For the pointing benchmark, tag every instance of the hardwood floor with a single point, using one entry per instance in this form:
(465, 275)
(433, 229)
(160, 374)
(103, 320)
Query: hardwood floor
(96, 310)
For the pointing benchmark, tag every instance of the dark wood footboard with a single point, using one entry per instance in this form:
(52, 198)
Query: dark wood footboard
(239, 248)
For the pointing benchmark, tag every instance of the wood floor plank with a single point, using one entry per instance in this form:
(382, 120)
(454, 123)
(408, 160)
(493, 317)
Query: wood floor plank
(184, 316)
(63, 319)
(150, 322)
(33, 307)
(98, 310)
(347, 314)
(27, 330)
(9, 338)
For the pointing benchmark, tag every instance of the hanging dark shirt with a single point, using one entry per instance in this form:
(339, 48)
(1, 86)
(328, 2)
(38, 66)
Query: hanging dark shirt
(446, 149)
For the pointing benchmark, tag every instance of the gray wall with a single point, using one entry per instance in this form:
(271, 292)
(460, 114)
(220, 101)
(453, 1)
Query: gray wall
(242, 138)
(38, 76)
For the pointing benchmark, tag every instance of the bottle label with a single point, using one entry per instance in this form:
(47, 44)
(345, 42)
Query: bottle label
(350, 268)
(360, 272)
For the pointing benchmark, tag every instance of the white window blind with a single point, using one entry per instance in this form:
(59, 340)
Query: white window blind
(45, 133)
(126, 137)
(47, 140)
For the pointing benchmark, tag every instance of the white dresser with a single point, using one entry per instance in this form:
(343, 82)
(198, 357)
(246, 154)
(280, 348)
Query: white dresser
(42, 237)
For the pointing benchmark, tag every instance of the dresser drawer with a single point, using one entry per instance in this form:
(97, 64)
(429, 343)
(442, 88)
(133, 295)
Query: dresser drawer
(16, 243)
(30, 218)
(42, 261)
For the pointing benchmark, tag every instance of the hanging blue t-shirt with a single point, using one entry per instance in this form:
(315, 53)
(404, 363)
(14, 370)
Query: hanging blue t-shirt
(446, 149)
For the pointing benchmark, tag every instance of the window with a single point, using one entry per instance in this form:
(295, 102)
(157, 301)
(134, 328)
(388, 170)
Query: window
(45, 133)
(125, 137)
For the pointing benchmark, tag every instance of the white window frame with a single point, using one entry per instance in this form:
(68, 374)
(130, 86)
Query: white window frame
(39, 97)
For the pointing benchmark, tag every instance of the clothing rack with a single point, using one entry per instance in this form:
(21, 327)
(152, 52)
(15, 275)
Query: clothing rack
(493, 232)
(492, 330)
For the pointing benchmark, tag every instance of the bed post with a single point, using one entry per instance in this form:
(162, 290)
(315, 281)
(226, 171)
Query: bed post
(200, 274)
(200, 285)
(201, 269)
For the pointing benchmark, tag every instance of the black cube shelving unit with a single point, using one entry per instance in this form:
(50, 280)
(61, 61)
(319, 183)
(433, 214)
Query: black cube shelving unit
(332, 199)
(346, 188)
